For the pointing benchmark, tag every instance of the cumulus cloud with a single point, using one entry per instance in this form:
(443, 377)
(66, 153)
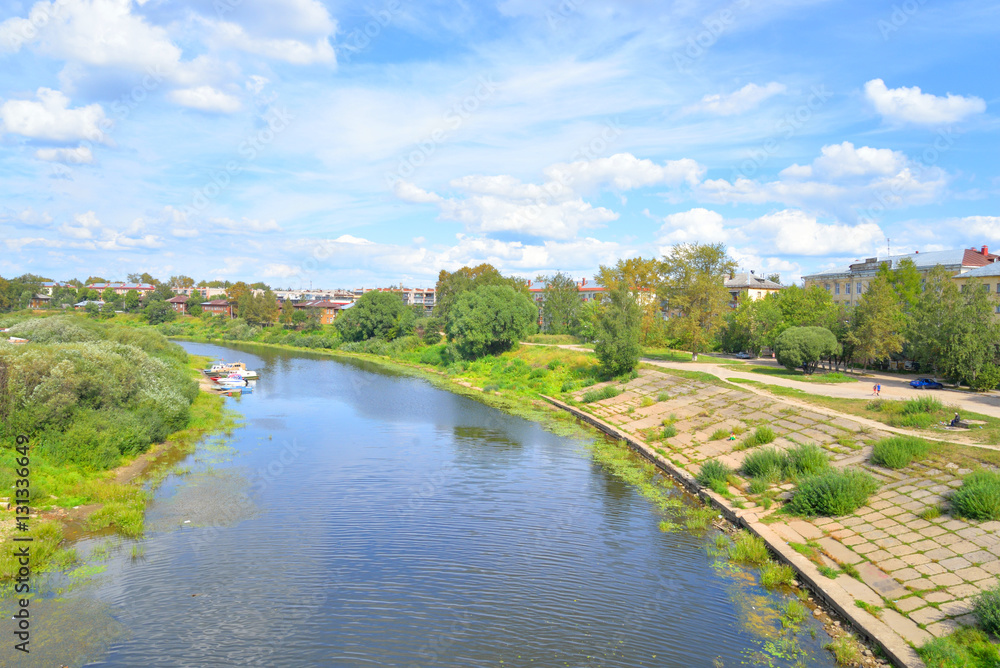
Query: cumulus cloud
(409, 192)
(840, 161)
(84, 227)
(280, 270)
(978, 227)
(356, 241)
(740, 101)
(245, 225)
(696, 225)
(206, 98)
(67, 156)
(910, 105)
(624, 171)
(293, 51)
(50, 118)
(797, 233)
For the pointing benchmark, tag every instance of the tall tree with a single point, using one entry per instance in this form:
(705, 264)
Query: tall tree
(930, 320)
(376, 315)
(131, 301)
(451, 285)
(752, 324)
(237, 292)
(642, 277)
(617, 332)
(181, 281)
(490, 320)
(260, 309)
(560, 303)
(693, 287)
(877, 323)
(906, 281)
(972, 335)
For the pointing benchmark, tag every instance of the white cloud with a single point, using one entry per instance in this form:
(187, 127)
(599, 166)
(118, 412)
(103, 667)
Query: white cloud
(86, 224)
(840, 161)
(737, 102)
(554, 220)
(293, 51)
(280, 271)
(696, 225)
(624, 171)
(51, 118)
(356, 241)
(246, 225)
(977, 227)
(409, 192)
(206, 98)
(797, 233)
(183, 233)
(910, 105)
(68, 156)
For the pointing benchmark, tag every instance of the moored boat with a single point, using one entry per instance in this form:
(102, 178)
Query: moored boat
(219, 369)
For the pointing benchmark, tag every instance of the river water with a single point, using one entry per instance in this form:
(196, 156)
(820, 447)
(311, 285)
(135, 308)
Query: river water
(360, 518)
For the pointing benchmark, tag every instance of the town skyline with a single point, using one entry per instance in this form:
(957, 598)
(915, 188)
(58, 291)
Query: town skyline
(327, 144)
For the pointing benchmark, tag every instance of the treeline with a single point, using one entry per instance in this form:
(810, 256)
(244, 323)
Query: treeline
(904, 314)
(88, 393)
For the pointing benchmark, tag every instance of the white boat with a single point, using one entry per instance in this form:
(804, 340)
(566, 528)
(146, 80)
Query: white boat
(219, 369)
(232, 380)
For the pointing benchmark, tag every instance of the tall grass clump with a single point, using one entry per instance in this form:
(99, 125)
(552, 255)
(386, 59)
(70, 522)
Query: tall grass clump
(846, 650)
(834, 493)
(804, 460)
(965, 648)
(761, 436)
(899, 452)
(924, 404)
(773, 574)
(714, 474)
(986, 607)
(607, 392)
(749, 549)
(979, 496)
(764, 464)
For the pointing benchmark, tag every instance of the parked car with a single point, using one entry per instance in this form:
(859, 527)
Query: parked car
(743, 356)
(926, 384)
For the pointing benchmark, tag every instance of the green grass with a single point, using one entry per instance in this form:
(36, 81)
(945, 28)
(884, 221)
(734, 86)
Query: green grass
(699, 518)
(874, 610)
(762, 435)
(553, 339)
(930, 513)
(749, 549)
(646, 402)
(719, 434)
(965, 648)
(781, 372)
(979, 496)
(765, 464)
(606, 392)
(714, 471)
(669, 431)
(898, 452)
(829, 572)
(773, 574)
(834, 493)
(846, 650)
(666, 355)
(986, 607)
(793, 613)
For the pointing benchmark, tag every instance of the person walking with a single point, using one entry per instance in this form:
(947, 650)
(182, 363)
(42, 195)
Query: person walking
(874, 389)
(878, 389)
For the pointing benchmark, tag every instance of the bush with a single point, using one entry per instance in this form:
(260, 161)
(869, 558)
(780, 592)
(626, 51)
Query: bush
(617, 332)
(606, 392)
(719, 434)
(979, 496)
(899, 452)
(846, 650)
(773, 574)
(804, 347)
(764, 464)
(807, 459)
(376, 315)
(922, 405)
(490, 320)
(713, 470)
(986, 606)
(749, 549)
(669, 431)
(834, 493)
(987, 379)
(965, 648)
(761, 436)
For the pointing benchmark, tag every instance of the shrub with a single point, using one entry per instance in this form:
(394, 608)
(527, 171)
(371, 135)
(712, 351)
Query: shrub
(794, 612)
(987, 379)
(773, 574)
(618, 330)
(749, 549)
(846, 650)
(979, 496)
(490, 320)
(713, 470)
(807, 459)
(606, 392)
(965, 648)
(669, 431)
(719, 434)
(764, 464)
(761, 436)
(833, 493)
(758, 486)
(924, 404)
(646, 402)
(804, 347)
(898, 452)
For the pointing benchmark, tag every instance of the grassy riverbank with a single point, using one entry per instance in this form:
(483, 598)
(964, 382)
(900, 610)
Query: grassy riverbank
(104, 409)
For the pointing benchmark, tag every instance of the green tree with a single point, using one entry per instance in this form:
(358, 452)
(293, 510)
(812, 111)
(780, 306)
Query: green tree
(377, 314)
(490, 320)
(194, 304)
(617, 332)
(877, 323)
(158, 311)
(131, 301)
(181, 281)
(109, 295)
(94, 279)
(813, 307)
(259, 310)
(972, 334)
(930, 320)
(804, 347)
(642, 277)
(694, 290)
(750, 326)
(236, 292)
(906, 281)
(560, 302)
(451, 285)
(584, 323)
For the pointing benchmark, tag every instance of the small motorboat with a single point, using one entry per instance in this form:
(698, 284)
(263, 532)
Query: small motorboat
(219, 369)
(232, 380)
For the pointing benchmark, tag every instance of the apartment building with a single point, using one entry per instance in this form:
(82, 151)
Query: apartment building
(756, 287)
(987, 278)
(846, 284)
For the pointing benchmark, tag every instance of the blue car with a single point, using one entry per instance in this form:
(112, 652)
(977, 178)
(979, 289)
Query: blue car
(926, 384)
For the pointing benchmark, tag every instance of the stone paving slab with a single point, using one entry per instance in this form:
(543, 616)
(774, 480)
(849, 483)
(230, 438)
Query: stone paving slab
(905, 627)
(839, 552)
(881, 582)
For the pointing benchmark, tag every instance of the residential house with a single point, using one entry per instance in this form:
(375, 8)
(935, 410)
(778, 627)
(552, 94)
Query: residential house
(123, 288)
(49, 287)
(847, 283)
(756, 287)
(218, 307)
(40, 300)
(987, 278)
(178, 303)
(328, 310)
(204, 293)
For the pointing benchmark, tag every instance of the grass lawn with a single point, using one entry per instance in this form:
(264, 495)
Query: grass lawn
(554, 339)
(666, 354)
(929, 421)
(782, 372)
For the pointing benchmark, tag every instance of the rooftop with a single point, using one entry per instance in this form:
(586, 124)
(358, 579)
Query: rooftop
(960, 257)
(990, 270)
(749, 280)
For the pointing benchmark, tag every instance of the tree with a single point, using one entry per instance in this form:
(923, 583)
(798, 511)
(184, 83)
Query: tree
(451, 285)
(131, 301)
(804, 347)
(260, 285)
(617, 333)
(109, 295)
(906, 282)
(560, 302)
(194, 304)
(237, 291)
(642, 277)
(877, 323)
(694, 289)
(584, 323)
(142, 278)
(812, 307)
(490, 320)
(94, 279)
(287, 312)
(258, 309)
(159, 311)
(972, 333)
(930, 320)
(751, 325)
(377, 314)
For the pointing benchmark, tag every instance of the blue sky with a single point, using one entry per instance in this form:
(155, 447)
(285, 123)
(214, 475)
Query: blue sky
(345, 144)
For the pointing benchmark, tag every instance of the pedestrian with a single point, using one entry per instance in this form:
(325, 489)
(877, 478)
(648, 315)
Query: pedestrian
(878, 389)
(874, 390)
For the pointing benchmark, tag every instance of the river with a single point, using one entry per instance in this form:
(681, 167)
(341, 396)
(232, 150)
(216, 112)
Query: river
(357, 517)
